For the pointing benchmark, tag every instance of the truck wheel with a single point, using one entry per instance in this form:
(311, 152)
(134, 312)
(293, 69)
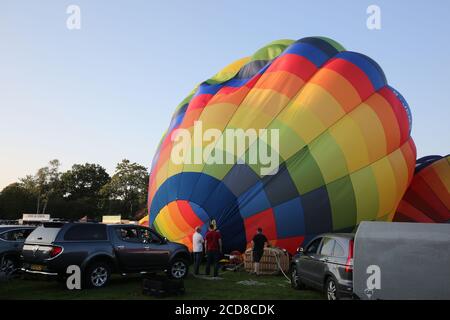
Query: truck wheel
(178, 269)
(331, 289)
(97, 275)
(295, 279)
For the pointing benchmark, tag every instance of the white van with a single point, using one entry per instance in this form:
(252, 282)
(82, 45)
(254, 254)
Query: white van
(402, 261)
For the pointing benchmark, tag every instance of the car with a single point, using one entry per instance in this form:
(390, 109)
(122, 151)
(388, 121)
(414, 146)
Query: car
(102, 249)
(12, 238)
(325, 264)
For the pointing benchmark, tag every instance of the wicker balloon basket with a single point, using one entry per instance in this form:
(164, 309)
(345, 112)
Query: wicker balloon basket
(272, 260)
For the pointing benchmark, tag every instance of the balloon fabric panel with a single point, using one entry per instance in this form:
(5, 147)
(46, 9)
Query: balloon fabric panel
(345, 151)
(427, 198)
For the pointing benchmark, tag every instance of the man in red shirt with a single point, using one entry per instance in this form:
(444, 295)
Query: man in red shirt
(213, 244)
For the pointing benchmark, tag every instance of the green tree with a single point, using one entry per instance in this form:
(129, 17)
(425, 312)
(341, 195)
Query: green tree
(43, 184)
(84, 181)
(129, 185)
(14, 201)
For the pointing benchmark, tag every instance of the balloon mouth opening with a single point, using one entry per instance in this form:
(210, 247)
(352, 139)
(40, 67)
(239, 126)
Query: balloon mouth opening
(179, 219)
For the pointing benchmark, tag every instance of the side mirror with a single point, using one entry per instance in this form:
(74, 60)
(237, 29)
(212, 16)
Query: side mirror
(300, 250)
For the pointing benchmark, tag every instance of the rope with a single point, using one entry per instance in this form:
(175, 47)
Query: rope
(277, 259)
(279, 266)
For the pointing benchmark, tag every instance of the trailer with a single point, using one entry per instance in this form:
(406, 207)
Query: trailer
(402, 261)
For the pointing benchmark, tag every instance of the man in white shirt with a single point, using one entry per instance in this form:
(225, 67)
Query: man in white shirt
(197, 248)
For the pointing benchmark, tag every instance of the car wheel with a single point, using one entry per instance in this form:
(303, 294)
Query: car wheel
(97, 275)
(8, 266)
(178, 269)
(295, 279)
(331, 289)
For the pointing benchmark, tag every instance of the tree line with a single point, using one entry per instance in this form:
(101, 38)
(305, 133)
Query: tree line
(84, 190)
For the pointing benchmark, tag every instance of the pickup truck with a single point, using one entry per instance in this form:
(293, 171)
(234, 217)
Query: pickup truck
(100, 250)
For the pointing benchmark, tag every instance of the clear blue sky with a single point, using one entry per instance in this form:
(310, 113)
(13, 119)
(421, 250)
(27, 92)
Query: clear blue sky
(107, 91)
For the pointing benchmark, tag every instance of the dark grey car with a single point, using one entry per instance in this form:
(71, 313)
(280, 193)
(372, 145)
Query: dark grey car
(11, 242)
(326, 264)
(101, 249)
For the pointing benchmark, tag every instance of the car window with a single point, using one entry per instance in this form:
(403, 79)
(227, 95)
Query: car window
(327, 247)
(22, 234)
(149, 236)
(313, 246)
(86, 232)
(16, 235)
(338, 250)
(129, 234)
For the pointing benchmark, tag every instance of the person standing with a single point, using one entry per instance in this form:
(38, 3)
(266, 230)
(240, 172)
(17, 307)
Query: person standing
(259, 241)
(213, 244)
(197, 248)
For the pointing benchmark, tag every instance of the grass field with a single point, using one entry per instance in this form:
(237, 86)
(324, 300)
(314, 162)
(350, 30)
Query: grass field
(129, 287)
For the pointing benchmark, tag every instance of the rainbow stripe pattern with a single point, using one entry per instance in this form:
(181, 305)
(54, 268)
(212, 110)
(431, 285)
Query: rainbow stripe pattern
(345, 152)
(427, 199)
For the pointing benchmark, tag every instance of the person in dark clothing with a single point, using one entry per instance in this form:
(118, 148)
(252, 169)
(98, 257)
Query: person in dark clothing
(213, 244)
(259, 241)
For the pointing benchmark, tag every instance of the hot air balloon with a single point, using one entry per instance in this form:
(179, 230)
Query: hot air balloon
(144, 221)
(428, 197)
(341, 137)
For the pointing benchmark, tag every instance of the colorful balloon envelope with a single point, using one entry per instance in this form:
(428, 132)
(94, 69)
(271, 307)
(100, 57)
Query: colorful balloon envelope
(144, 221)
(343, 147)
(428, 196)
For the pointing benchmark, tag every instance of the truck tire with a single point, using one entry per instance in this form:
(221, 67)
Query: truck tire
(178, 269)
(97, 274)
